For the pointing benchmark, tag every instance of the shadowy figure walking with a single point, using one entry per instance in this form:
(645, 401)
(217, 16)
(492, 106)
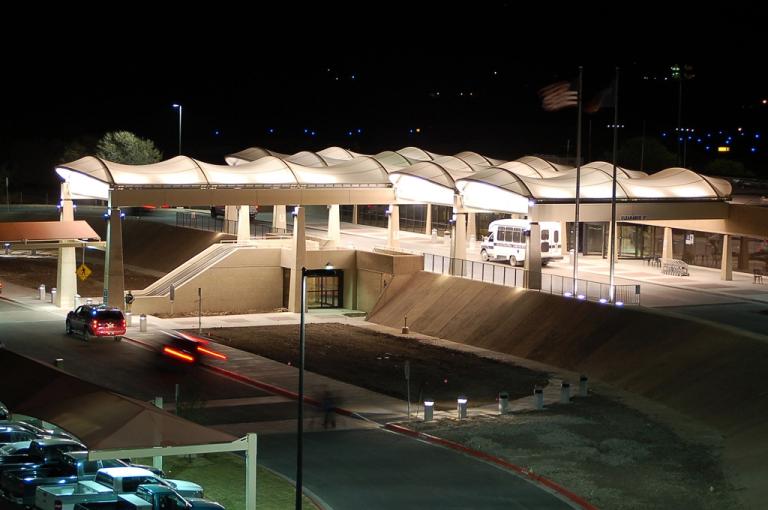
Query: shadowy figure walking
(328, 409)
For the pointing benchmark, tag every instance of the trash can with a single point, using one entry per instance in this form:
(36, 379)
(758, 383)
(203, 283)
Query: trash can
(429, 409)
(53, 295)
(462, 407)
(503, 402)
(565, 392)
(538, 397)
(41, 290)
(143, 322)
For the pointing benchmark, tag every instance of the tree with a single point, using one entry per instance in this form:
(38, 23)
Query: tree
(125, 147)
(729, 167)
(78, 148)
(655, 156)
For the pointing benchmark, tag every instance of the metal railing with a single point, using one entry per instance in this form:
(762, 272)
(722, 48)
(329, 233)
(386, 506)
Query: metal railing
(518, 277)
(202, 221)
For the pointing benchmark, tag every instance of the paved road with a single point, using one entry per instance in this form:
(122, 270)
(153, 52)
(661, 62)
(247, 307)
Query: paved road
(349, 469)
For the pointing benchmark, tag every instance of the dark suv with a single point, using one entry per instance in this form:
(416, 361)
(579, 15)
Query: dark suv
(93, 321)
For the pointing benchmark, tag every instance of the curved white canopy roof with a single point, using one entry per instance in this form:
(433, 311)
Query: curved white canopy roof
(418, 176)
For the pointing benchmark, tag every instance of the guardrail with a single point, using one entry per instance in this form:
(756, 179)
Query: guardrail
(518, 277)
(202, 221)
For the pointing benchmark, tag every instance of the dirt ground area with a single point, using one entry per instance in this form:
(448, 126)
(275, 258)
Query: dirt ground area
(376, 361)
(30, 271)
(614, 456)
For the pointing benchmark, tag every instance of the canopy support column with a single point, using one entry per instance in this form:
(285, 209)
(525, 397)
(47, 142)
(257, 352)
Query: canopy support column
(298, 261)
(334, 225)
(250, 471)
(114, 278)
(428, 223)
(726, 261)
(459, 244)
(354, 214)
(471, 228)
(393, 227)
(533, 257)
(243, 223)
(278, 217)
(666, 248)
(66, 277)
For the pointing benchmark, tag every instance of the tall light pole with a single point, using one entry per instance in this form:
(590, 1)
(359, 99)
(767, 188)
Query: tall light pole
(176, 105)
(327, 271)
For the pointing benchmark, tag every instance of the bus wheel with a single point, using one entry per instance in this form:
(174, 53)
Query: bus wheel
(484, 255)
(512, 261)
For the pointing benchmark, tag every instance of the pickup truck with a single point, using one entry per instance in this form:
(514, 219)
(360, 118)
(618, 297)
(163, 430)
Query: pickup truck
(19, 486)
(153, 497)
(106, 487)
(41, 453)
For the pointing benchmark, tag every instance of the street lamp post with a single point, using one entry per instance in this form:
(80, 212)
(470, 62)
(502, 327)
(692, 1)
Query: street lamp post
(328, 270)
(176, 105)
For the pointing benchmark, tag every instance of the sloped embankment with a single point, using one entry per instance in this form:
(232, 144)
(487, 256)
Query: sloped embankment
(714, 375)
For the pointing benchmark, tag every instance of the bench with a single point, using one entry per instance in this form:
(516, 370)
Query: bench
(674, 267)
(757, 276)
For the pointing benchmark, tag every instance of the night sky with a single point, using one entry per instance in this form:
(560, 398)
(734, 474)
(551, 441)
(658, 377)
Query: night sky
(484, 99)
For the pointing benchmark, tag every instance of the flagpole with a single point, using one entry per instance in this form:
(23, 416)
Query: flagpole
(611, 289)
(578, 187)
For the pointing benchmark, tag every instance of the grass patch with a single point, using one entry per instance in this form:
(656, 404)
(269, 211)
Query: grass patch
(222, 475)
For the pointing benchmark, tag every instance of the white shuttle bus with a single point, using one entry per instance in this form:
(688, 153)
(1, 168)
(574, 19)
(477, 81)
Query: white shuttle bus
(506, 241)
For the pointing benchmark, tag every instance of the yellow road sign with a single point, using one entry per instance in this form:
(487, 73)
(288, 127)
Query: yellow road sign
(83, 272)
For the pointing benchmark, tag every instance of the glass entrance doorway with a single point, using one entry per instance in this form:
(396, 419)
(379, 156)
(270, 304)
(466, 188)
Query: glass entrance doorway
(326, 291)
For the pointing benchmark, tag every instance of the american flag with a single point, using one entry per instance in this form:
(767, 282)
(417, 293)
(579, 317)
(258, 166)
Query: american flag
(558, 96)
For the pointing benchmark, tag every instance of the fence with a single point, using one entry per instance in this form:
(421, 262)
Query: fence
(518, 277)
(206, 222)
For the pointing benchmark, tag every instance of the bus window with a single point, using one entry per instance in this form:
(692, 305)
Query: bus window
(545, 235)
(490, 237)
(556, 236)
(517, 236)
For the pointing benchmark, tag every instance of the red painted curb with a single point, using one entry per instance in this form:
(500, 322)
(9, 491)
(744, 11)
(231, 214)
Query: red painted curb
(575, 498)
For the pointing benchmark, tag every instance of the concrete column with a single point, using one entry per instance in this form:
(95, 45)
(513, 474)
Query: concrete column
(666, 247)
(298, 261)
(744, 253)
(66, 278)
(428, 228)
(354, 214)
(459, 244)
(243, 223)
(615, 242)
(334, 225)
(564, 239)
(278, 217)
(533, 257)
(393, 227)
(471, 228)
(230, 212)
(726, 264)
(114, 279)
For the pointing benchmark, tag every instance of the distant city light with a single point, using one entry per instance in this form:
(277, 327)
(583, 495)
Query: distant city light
(359, 130)
(739, 130)
(765, 101)
(757, 135)
(349, 133)
(352, 77)
(272, 130)
(753, 149)
(216, 132)
(707, 147)
(313, 133)
(418, 130)
(663, 134)
(723, 149)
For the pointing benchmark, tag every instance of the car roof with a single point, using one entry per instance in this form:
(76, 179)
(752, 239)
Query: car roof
(127, 471)
(55, 441)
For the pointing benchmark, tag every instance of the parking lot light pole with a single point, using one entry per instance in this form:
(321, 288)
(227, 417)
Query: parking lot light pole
(328, 270)
(179, 107)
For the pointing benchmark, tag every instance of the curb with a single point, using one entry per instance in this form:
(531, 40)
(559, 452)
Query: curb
(529, 475)
(393, 427)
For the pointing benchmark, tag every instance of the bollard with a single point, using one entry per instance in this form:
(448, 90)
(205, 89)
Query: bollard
(405, 325)
(59, 362)
(128, 319)
(88, 301)
(53, 295)
(503, 402)
(41, 290)
(143, 322)
(429, 409)
(77, 300)
(583, 386)
(462, 407)
(565, 392)
(434, 235)
(538, 397)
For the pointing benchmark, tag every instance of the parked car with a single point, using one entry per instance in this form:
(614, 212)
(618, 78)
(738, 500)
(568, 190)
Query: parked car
(13, 433)
(41, 453)
(93, 321)
(38, 431)
(218, 210)
(4, 413)
(153, 497)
